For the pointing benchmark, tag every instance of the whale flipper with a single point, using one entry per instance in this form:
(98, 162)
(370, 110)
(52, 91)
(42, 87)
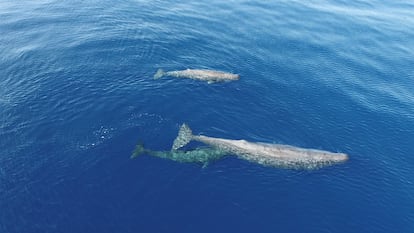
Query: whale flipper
(159, 74)
(185, 135)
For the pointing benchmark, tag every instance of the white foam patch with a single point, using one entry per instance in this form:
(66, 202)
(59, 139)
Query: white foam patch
(136, 119)
(98, 137)
(104, 133)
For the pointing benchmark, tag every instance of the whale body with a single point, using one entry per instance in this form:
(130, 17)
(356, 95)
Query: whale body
(266, 154)
(205, 75)
(199, 155)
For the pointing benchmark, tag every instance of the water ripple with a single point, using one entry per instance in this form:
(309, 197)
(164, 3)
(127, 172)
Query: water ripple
(77, 93)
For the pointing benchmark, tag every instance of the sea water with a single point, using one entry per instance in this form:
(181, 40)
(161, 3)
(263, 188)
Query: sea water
(77, 93)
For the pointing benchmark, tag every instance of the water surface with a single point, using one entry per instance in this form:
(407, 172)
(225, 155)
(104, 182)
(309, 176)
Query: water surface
(76, 94)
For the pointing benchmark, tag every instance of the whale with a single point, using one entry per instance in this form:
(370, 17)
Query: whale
(210, 76)
(266, 154)
(200, 155)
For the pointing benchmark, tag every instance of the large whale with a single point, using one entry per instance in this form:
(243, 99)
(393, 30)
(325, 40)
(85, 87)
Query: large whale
(205, 75)
(274, 155)
(199, 155)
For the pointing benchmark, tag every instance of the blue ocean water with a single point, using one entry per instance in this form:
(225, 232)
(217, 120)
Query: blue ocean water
(77, 94)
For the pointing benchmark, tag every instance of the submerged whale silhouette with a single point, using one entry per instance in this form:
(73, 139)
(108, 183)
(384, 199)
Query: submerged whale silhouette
(205, 75)
(274, 155)
(200, 155)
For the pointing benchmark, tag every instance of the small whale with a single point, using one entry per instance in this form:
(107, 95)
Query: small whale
(204, 75)
(274, 155)
(199, 155)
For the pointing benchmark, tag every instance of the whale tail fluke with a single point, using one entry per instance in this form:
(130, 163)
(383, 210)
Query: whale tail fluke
(159, 74)
(139, 150)
(185, 135)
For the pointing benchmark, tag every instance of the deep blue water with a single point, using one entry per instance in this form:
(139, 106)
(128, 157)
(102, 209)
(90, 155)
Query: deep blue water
(77, 94)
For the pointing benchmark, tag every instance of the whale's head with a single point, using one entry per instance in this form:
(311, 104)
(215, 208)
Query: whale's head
(326, 159)
(339, 158)
(235, 77)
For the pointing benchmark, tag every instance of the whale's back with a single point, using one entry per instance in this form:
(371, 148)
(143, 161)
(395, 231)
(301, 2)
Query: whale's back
(204, 74)
(275, 154)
